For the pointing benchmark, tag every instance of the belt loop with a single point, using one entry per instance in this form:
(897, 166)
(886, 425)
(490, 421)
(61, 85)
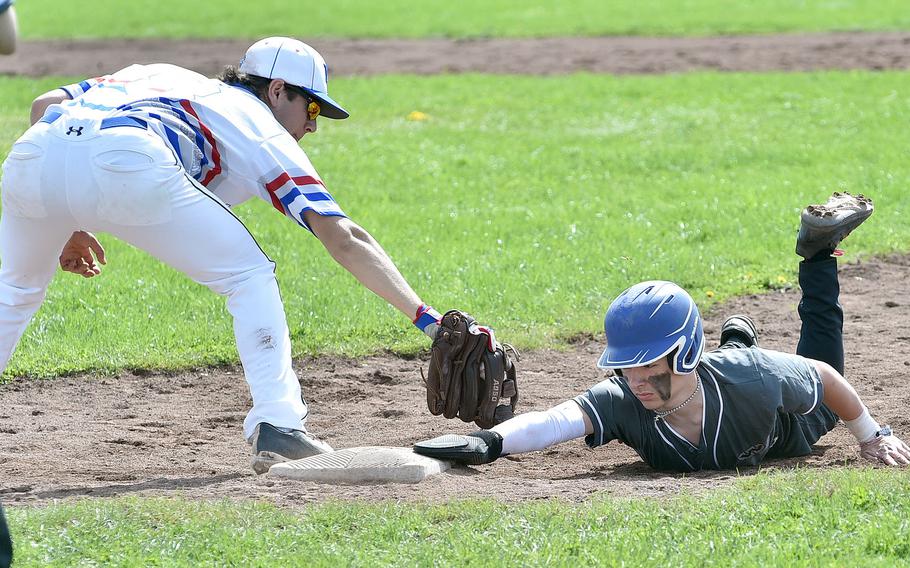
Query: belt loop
(50, 117)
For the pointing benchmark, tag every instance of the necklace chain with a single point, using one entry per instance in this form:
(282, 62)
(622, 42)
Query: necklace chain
(662, 414)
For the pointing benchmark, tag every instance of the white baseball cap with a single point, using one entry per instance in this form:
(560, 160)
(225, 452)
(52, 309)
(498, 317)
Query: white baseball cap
(296, 63)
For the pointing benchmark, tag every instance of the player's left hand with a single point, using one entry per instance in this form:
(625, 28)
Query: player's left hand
(483, 446)
(470, 375)
(889, 450)
(77, 256)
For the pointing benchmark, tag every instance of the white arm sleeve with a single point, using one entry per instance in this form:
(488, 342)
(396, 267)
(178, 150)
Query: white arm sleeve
(534, 431)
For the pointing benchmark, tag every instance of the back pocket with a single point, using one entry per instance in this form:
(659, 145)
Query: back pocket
(21, 184)
(134, 188)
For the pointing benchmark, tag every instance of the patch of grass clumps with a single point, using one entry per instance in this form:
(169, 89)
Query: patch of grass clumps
(806, 517)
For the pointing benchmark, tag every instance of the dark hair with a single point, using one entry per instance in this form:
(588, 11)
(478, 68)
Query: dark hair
(258, 85)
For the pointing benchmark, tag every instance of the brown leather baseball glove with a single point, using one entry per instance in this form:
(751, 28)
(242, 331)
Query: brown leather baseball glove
(471, 375)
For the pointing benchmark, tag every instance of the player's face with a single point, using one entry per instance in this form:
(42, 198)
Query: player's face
(651, 383)
(297, 115)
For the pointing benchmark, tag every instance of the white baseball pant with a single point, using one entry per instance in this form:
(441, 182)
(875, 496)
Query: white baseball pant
(80, 174)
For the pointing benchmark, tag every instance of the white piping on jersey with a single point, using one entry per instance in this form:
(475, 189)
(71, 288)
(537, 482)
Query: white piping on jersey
(680, 436)
(596, 415)
(720, 414)
(683, 438)
(677, 434)
(814, 399)
(704, 408)
(657, 427)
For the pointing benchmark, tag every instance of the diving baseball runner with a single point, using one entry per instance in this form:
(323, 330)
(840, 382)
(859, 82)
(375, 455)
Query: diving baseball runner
(157, 156)
(682, 409)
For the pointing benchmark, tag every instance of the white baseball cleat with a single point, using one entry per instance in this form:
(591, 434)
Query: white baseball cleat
(823, 227)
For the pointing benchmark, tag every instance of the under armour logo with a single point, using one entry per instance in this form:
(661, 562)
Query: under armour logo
(751, 451)
(78, 131)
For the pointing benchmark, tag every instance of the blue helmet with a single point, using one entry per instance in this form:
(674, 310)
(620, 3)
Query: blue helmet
(652, 320)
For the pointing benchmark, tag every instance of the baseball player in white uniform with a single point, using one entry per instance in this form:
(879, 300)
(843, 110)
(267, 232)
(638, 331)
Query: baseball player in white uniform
(157, 155)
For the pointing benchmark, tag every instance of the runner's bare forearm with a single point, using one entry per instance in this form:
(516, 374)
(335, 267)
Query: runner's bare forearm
(839, 396)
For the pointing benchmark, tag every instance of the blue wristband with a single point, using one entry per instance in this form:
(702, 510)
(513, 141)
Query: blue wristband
(426, 315)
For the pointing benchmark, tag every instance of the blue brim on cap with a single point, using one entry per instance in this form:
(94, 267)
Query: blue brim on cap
(329, 108)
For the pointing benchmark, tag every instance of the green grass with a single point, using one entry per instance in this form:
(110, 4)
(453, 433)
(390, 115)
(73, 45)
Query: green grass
(530, 202)
(801, 518)
(466, 18)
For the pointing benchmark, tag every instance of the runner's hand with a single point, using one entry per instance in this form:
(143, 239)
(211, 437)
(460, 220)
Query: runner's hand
(889, 450)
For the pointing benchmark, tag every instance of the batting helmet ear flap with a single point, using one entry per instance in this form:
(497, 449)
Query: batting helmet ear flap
(682, 362)
(689, 361)
(697, 350)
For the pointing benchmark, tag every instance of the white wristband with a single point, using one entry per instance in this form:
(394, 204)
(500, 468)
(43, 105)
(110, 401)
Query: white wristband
(864, 427)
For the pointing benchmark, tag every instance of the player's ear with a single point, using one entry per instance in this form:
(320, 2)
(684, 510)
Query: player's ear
(276, 87)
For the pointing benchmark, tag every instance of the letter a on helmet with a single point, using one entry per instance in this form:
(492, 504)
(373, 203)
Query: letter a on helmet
(651, 320)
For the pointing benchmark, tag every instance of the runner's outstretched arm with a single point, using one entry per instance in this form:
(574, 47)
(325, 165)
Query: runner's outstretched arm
(533, 431)
(526, 432)
(876, 443)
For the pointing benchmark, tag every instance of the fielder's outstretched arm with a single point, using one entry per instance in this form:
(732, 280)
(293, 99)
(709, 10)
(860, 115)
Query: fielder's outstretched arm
(359, 253)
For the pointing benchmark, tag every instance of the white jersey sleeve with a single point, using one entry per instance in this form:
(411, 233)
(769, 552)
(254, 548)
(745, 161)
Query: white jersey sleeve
(288, 181)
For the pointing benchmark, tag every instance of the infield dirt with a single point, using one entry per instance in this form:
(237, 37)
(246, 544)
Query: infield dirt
(180, 434)
(546, 56)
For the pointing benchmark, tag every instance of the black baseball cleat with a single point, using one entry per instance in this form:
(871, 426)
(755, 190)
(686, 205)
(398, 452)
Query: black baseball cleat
(823, 227)
(272, 445)
(739, 328)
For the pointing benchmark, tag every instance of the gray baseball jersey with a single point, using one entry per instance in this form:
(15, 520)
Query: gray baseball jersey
(758, 403)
